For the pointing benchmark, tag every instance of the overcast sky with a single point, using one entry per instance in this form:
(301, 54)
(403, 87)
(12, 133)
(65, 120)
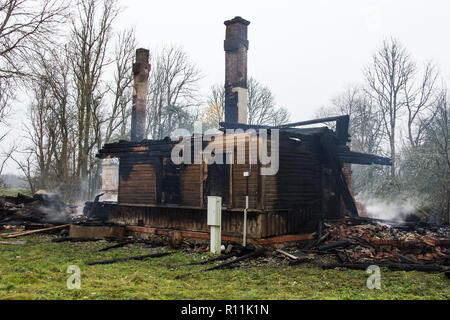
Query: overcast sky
(306, 52)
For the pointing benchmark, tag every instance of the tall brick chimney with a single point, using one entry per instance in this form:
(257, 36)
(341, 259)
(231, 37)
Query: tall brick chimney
(236, 46)
(141, 70)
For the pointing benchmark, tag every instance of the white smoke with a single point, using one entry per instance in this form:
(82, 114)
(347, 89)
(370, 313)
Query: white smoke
(396, 209)
(108, 196)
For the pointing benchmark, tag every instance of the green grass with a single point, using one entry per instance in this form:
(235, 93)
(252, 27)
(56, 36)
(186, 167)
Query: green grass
(37, 270)
(14, 192)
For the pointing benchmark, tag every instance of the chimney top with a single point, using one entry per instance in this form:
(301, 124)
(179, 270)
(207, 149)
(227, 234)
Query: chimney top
(237, 19)
(142, 55)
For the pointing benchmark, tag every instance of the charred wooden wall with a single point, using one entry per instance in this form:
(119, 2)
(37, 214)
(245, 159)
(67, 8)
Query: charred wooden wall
(260, 224)
(190, 185)
(137, 180)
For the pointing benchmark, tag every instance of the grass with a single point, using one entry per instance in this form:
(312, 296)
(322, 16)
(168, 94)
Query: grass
(38, 270)
(14, 192)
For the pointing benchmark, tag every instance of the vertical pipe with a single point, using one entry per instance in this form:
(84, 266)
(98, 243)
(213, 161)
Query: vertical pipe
(141, 70)
(214, 220)
(244, 233)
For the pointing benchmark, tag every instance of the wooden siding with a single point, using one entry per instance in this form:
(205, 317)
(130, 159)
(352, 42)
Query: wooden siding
(190, 185)
(137, 181)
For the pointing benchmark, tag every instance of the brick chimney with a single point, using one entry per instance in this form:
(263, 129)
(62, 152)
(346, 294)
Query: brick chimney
(236, 46)
(141, 70)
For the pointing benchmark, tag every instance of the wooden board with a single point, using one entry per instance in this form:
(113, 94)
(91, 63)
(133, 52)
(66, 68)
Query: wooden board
(96, 232)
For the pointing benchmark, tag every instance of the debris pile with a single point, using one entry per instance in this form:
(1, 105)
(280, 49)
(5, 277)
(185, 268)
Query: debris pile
(39, 211)
(360, 242)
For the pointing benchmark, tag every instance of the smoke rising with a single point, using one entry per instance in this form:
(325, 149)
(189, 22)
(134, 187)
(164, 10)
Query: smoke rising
(396, 209)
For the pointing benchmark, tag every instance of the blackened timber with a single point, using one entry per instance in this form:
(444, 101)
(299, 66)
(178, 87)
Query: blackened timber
(228, 264)
(363, 158)
(342, 129)
(334, 162)
(147, 256)
(230, 125)
(391, 266)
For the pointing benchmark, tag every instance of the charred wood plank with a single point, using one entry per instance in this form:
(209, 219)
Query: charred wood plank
(77, 239)
(300, 261)
(36, 231)
(334, 245)
(219, 258)
(227, 264)
(147, 256)
(391, 266)
(287, 254)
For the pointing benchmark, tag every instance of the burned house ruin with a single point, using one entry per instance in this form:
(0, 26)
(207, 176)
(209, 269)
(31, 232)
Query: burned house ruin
(311, 181)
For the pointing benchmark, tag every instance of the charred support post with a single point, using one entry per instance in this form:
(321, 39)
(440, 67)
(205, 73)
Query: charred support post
(141, 70)
(236, 46)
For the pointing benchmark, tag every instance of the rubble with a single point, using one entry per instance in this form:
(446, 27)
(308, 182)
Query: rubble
(41, 208)
(41, 211)
(357, 242)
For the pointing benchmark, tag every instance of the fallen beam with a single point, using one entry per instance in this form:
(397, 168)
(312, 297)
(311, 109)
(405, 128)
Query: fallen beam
(287, 254)
(124, 243)
(69, 239)
(334, 245)
(226, 264)
(25, 233)
(391, 266)
(219, 258)
(147, 256)
(299, 261)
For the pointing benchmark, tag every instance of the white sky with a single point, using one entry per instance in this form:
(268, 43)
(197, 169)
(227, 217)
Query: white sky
(307, 52)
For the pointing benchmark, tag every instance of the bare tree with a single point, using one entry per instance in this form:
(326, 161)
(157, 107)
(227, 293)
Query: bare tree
(6, 155)
(24, 24)
(366, 126)
(420, 99)
(43, 134)
(387, 77)
(27, 167)
(121, 88)
(6, 93)
(173, 92)
(438, 131)
(52, 70)
(91, 34)
(280, 116)
(215, 104)
(260, 103)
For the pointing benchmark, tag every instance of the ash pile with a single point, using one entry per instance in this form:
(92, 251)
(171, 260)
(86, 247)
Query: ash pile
(39, 210)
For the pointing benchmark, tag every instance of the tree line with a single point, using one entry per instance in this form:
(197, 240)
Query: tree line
(401, 110)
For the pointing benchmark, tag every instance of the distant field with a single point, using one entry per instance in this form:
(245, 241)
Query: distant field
(14, 192)
(37, 270)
